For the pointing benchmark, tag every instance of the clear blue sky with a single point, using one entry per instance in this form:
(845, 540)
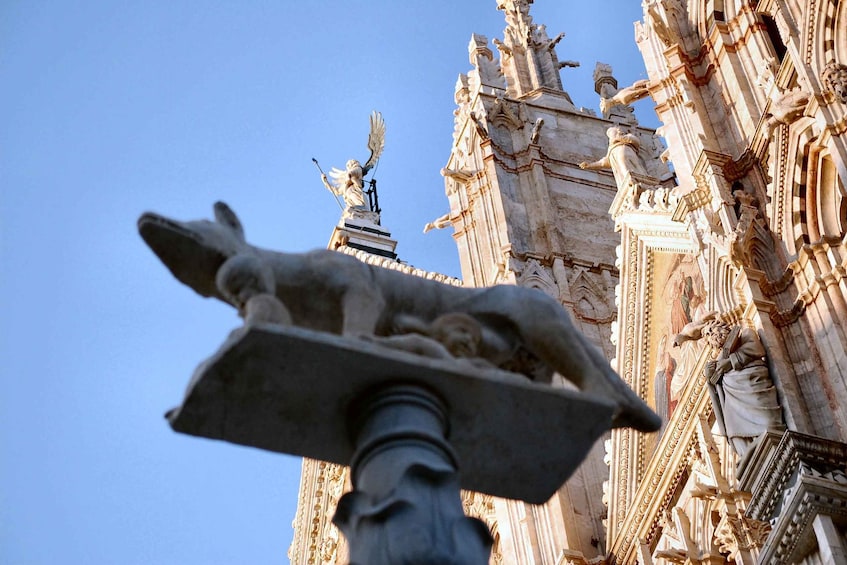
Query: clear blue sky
(109, 109)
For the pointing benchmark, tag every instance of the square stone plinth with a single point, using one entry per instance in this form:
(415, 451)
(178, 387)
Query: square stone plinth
(289, 390)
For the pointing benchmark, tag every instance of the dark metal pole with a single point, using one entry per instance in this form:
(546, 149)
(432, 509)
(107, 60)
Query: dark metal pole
(373, 197)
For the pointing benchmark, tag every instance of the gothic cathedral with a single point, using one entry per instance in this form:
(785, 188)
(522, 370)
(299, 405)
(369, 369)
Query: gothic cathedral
(710, 268)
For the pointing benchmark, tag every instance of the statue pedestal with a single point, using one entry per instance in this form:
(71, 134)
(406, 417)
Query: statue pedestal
(301, 392)
(363, 233)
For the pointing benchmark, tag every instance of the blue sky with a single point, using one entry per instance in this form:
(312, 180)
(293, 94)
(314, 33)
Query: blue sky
(109, 109)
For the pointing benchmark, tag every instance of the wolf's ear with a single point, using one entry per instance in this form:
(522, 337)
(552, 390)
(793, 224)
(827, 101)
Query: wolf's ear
(224, 215)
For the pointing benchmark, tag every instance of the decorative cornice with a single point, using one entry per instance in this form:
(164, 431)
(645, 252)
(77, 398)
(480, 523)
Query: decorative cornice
(794, 481)
(771, 288)
(690, 202)
(810, 287)
(739, 168)
(813, 494)
(783, 318)
(396, 265)
(784, 464)
(567, 259)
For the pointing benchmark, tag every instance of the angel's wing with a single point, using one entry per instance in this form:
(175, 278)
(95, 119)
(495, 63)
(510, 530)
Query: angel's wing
(376, 141)
(338, 178)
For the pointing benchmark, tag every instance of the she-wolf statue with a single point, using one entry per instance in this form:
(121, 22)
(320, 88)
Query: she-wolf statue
(333, 292)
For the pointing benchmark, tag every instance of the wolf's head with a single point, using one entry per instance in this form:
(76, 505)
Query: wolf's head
(194, 251)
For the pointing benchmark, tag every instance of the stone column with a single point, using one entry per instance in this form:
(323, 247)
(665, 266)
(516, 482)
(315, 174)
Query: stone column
(405, 506)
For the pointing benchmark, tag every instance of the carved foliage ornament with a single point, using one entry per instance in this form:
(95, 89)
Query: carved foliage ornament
(834, 78)
(740, 533)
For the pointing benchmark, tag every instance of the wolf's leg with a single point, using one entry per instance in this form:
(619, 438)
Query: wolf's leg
(361, 309)
(548, 332)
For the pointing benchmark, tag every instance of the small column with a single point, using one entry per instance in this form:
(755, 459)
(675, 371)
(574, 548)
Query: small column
(829, 540)
(405, 506)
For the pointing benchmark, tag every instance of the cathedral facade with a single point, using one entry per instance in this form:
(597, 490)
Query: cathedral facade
(709, 268)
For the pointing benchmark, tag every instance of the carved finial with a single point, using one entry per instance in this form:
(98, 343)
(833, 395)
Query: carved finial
(462, 93)
(614, 103)
(526, 45)
(479, 46)
(604, 80)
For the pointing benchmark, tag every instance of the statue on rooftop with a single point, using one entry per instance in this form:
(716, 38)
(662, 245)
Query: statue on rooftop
(349, 183)
(622, 156)
(625, 96)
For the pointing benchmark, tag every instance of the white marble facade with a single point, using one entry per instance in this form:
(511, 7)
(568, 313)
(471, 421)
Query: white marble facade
(748, 230)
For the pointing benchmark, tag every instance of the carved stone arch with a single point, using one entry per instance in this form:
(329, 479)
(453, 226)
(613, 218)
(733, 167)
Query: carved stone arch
(735, 8)
(696, 10)
(705, 13)
(589, 300)
(504, 114)
(795, 220)
(719, 13)
(697, 17)
(821, 32)
(776, 36)
(535, 275)
(826, 202)
(839, 27)
(713, 11)
(726, 296)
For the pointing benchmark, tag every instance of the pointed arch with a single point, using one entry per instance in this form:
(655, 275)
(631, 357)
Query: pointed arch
(589, 300)
(535, 275)
(795, 224)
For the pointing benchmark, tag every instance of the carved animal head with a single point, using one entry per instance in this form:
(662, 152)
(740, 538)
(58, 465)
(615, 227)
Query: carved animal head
(194, 251)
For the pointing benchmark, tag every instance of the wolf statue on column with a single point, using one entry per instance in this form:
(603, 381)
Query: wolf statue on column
(521, 330)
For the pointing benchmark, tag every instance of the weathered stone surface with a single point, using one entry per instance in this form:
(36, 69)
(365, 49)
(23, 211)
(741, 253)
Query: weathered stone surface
(290, 390)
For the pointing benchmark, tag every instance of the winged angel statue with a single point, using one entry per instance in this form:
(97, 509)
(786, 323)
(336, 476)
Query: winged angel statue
(349, 183)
